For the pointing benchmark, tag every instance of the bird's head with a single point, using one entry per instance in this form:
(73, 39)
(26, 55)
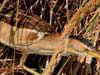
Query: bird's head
(80, 46)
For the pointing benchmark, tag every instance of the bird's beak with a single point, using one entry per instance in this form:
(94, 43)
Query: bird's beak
(94, 54)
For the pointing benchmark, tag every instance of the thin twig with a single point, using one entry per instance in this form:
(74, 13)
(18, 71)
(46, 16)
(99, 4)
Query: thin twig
(2, 6)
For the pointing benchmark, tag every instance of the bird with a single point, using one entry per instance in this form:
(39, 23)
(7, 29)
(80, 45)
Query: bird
(35, 41)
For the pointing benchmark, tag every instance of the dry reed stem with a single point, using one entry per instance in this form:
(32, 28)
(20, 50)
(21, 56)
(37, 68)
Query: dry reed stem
(91, 21)
(56, 57)
(82, 11)
(3, 4)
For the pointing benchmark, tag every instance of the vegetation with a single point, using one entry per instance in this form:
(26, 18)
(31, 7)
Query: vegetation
(67, 17)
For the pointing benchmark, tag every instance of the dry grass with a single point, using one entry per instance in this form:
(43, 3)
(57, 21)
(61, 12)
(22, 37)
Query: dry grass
(85, 23)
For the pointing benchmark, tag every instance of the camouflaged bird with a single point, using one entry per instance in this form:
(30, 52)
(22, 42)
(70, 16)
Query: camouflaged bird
(36, 36)
(36, 42)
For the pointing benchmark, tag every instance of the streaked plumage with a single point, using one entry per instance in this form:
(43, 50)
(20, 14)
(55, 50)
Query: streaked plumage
(35, 42)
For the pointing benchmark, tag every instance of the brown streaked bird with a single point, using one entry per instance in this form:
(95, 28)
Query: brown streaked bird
(31, 41)
(35, 42)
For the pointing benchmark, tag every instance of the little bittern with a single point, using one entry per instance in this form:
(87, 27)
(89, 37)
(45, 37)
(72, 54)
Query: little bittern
(35, 42)
(32, 41)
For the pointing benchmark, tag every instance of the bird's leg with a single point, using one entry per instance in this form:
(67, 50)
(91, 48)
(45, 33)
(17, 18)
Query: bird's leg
(21, 64)
(23, 59)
